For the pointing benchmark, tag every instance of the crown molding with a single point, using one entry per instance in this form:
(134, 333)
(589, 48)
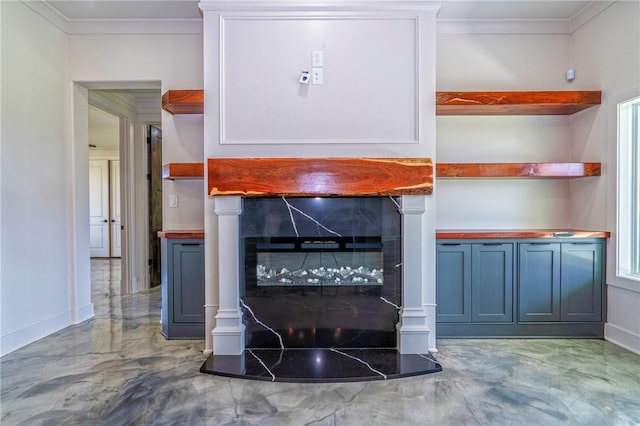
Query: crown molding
(589, 12)
(135, 26)
(503, 26)
(117, 104)
(44, 9)
(194, 26)
(113, 26)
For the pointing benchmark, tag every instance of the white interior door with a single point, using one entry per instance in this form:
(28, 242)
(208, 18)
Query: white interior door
(114, 191)
(99, 208)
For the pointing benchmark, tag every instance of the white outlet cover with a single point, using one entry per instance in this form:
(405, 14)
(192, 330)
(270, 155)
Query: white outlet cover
(317, 76)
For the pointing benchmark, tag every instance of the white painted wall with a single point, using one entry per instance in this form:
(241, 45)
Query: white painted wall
(477, 62)
(139, 61)
(607, 56)
(45, 274)
(175, 60)
(36, 297)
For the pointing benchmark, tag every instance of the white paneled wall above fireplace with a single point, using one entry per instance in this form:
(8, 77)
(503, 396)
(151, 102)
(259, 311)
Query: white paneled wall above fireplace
(378, 79)
(377, 100)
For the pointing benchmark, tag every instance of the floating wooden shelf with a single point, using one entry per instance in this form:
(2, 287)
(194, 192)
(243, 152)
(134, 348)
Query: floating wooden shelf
(183, 101)
(517, 170)
(447, 103)
(181, 234)
(447, 170)
(175, 171)
(515, 103)
(464, 234)
(318, 177)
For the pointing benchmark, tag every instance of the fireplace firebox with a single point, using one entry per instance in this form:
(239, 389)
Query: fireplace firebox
(314, 262)
(321, 272)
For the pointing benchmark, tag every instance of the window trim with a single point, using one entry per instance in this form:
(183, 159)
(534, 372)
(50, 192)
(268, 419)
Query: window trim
(628, 190)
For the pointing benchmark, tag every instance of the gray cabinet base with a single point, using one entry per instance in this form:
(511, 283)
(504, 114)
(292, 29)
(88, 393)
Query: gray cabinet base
(549, 330)
(557, 288)
(182, 273)
(183, 331)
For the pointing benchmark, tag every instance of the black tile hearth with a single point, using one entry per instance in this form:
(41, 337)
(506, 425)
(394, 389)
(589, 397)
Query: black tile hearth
(320, 365)
(310, 338)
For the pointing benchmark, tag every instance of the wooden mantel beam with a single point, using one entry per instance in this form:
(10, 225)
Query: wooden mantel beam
(317, 177)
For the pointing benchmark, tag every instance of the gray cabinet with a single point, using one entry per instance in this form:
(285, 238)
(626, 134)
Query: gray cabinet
(453, 275)
(581, 282)
(539, 278)
(182, 288)
(492, 282)
(561, 282)
(520, 287)
(474, 282)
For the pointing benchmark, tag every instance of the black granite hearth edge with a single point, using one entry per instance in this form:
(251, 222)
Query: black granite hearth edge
(320, 365)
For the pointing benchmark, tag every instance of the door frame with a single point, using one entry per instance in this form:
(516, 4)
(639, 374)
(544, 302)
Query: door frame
(133, 189)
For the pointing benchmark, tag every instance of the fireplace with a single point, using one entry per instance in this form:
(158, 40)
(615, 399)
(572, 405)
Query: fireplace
(320, 272)
(322, 268)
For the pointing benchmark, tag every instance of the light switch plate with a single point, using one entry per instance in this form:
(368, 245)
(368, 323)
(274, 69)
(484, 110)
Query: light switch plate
(173, 200)
(317, 58)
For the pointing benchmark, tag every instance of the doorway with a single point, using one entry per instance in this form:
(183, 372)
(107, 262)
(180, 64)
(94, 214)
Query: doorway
(154, 177)
(135, 105)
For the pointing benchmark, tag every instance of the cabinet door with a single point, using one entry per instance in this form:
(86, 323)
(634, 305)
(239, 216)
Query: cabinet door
(492, 282)
(539, 278)
(188, 283)
(581, 282)
(453, 282)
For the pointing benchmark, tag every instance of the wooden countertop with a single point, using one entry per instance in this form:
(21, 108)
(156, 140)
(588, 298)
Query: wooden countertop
(456, 234)
(461, 234)
(181, 234)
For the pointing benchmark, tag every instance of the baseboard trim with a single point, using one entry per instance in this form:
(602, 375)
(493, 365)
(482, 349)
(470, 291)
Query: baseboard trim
(622, 337)
(83, 313)
(29, 334)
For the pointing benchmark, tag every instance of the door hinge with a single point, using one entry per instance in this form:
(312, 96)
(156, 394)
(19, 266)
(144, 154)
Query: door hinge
(150, 262)
(148, 176)
(122, 227)
(148, 139)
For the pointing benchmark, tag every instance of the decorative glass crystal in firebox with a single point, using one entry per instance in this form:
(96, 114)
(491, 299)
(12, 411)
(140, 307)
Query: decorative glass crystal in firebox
(341, 261)
(345, 275)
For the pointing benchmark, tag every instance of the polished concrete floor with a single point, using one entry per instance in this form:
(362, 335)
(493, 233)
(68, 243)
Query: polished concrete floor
(118, 370)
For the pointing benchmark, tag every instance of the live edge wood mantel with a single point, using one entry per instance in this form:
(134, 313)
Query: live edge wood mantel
(319, 177)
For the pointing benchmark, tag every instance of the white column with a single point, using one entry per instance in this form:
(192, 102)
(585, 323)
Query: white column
(413, 331)
(429, 269)
(211, 276)
(228, 334)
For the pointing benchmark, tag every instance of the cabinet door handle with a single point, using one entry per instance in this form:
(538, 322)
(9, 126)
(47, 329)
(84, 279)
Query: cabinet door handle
(491, 244)
(540, 244)
(450, 244)
(579, 243)
(563, 234)
(189, 244)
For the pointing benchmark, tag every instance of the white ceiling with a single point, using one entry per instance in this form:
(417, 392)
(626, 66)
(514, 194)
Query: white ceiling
(79, 10)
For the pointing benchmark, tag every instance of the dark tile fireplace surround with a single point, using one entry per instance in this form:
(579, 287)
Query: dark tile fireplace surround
(322, 291)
